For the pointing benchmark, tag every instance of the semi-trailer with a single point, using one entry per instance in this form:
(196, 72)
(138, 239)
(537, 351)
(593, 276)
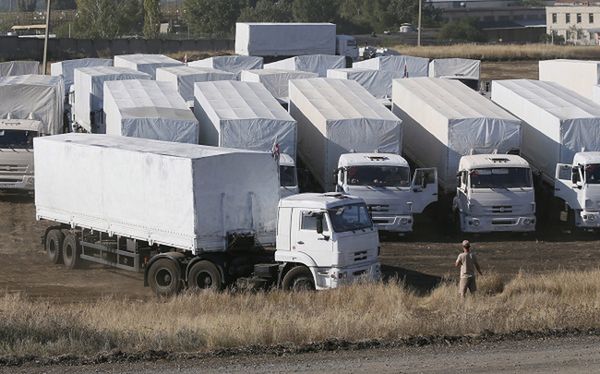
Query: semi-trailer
(467, 138)
(561, 140)
(194, 216)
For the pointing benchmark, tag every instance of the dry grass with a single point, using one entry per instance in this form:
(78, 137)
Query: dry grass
(367, 311)
(503, 52)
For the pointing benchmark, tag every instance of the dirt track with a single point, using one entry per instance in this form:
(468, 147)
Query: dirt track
(422, 259)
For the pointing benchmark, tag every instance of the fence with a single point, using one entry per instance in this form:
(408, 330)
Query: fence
(13, 48)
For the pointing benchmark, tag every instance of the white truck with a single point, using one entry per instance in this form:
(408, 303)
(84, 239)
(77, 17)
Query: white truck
(448, 124)
(384, 181)
(276, 40)
(195, 216)
(561, 140)
(494, 193)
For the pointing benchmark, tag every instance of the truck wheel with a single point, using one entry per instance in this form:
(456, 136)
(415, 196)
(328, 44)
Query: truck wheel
(54, 243)
(204, 275)
(164, 277)
(71, 251)
(298, 279)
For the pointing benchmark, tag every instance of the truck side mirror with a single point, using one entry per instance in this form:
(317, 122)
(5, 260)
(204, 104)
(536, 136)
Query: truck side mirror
(320, 224)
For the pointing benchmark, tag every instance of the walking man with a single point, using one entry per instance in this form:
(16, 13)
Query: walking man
(468, 264)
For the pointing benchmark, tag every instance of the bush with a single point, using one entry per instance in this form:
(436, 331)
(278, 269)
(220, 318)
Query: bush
(466, 29)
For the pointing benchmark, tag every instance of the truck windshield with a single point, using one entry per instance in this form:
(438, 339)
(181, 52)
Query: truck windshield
(350, 217)
(16, 138)
(379, 176)
(287, 176)
(501, 178)
(592, 174)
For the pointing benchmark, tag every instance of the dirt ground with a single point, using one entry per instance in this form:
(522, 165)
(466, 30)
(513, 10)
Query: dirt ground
(421, 260)
(509, 70)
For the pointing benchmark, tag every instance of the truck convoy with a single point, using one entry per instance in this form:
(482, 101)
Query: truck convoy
(276, 40)
(561, 140)
(448, 123)
(30, 106)
(351, 143)
(194, 216)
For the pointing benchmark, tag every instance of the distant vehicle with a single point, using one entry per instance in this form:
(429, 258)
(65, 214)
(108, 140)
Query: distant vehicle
(30, 31)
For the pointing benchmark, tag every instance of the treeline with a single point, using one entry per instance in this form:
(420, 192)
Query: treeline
(110, 19)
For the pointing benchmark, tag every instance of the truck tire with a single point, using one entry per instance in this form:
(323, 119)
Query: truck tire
(204, 275)
(164, 277)
(298, 279)
(54, 243)
(71, 251)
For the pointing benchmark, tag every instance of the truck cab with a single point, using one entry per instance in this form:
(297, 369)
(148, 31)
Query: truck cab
(578, 184)
(16, 153)
(345, 45)
(494, 194)
(383, 180)
(331, 234)
(287, 176)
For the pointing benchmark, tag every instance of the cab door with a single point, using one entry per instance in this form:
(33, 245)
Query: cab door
(568, 184)
(425, 189)
(308, 240)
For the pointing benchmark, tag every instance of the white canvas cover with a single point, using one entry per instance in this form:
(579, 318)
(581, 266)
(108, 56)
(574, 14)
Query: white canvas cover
(180, 195)
(414, 66)
(185, 77)
(311, 63)
(38, 97)
(89, 92)
(232, 64)
(576, 75)
(445, 120)
(337, 116)
(275, 80)
(67, 68)
(145, 63)
(243, 115)
(557, 122)
(463, 68)
(12, 68)
(148, 109)
(377, 82)
(284, 39)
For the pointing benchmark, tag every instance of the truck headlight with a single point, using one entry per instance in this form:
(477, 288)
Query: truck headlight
(404, 221)
(527, 221)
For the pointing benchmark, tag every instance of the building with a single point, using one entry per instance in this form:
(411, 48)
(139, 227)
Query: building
(575, 22)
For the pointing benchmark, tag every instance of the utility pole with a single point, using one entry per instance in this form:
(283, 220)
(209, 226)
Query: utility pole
(45, 60)
(418, 25)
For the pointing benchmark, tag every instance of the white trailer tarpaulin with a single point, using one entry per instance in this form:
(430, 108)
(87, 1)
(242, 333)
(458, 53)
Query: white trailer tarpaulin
(377, 82)
(557, 122)
(243, 115)
(148, 109)
(37, 97)
(284, 39)
(445, 120)
(185, 77)
(576, 75)
(145, 63)
(232, 64)
(337, 116)
(12, 68)
(407, 65)
(67, 68)
(462, 68)
(179, 195)
(89, 93)
(275, 80)
(311, 63)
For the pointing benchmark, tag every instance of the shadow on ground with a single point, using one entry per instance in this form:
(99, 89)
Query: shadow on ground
(420, 282)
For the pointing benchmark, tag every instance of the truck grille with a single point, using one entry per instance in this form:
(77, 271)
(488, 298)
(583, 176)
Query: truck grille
(360, 256)
(12, 169)
(501, 209)
(379, 208)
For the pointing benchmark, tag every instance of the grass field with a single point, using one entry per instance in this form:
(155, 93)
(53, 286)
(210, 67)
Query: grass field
(207, 321)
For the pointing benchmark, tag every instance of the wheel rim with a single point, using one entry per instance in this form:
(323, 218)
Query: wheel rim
(302, 284)
(52, 248)
(164, 278)
(204, 280)
(68, 252)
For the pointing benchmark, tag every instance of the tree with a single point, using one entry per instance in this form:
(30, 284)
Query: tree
(26, 5)
(315, 10)
(214, 17)
(63, 4)
(466, 29)
(151, 19)
(108, 19)
(267, 11)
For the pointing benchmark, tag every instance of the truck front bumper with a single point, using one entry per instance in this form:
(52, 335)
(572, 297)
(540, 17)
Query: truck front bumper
(335, 277)
(26, 183)
(588, 220)
(481, 224)
(400, 223)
